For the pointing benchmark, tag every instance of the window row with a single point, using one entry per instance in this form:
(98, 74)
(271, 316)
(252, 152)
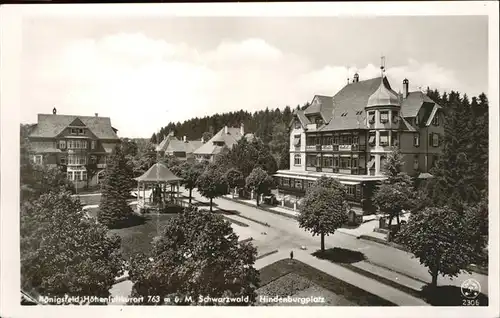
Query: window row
(383, 139)
(434, 140)
(77, 175)
(332, 140)
(384, 117)
(334, 162)
(77, 160)
(76, 144)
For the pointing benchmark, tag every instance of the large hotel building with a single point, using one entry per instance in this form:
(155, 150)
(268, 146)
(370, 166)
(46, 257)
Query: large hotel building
(349, 135)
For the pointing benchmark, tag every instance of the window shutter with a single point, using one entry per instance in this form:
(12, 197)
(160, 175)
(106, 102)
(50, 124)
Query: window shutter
(439, 140)
(430, 139)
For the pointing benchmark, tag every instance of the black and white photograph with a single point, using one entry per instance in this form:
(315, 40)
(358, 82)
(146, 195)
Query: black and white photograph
(323, 159)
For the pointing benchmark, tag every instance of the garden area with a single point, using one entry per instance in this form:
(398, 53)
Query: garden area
(138, 238)
(294, 278)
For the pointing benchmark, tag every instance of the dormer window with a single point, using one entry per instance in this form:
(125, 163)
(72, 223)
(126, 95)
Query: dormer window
(395, 117)
(384, 116)
(435, 120)
(371, 117)
(62, 144)
(76, 131)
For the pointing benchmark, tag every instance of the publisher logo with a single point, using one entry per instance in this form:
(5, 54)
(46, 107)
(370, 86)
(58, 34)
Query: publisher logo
(470, 288)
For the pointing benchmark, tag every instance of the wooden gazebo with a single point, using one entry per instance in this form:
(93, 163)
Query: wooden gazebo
(158, 178)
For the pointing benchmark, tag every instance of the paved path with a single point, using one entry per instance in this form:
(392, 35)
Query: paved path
(285, 234)
(372, 286)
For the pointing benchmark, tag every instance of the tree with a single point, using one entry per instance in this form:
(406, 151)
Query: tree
(146, 157)
(197, 254)
(114, 210)
(234, 179)
(91, 169)
(396, 193)
(284, 158)
(455, 181)
(207, 135)
(439, 238)
(245, 156)
(324, 208)
(65, 253)
(211, 184)
(259, 182)
(154, 139)
(190, 172)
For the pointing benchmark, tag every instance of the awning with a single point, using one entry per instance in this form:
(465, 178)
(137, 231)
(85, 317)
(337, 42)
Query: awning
(295, 177)
(350, 182)
(371, 140)
(370, 164)
(296, 142)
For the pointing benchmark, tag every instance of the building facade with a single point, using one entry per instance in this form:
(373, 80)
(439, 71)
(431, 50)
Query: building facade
(75, 143)
(225, 139)
(181, 149)
(348, 137)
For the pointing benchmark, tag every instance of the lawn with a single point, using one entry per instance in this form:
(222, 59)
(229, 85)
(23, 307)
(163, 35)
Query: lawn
(294, 278)
(138, 238)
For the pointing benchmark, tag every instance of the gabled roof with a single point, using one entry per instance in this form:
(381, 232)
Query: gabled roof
(349, 103)
(158, 173)
(405, 125)
(50, 126)
(230, 138)
(301, 116)
(410, 106)
(433, 113)
(183, 146)
(322, 105)
(344, 123)
(354, 96)
(165, 142)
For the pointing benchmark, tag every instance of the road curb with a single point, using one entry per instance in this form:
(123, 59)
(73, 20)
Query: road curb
(261, 208)
(266, 254)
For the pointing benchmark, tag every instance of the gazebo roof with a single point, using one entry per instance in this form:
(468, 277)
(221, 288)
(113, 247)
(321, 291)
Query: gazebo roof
(158, 173)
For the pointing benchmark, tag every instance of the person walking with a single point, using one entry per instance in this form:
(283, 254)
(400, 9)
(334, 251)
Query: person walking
(291, 255)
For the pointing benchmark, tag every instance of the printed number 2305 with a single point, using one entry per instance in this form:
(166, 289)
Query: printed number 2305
(470, 302)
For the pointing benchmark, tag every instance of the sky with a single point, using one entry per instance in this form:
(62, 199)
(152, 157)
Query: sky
(147, 72)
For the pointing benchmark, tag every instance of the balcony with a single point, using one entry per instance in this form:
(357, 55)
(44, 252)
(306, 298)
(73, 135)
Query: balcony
(352, 171)
(318, 147)
(311, 148)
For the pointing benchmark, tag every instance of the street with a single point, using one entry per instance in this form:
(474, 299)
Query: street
(284, 234)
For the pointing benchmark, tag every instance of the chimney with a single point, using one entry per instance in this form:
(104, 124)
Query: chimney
(54, 111)
(184, 138)
(405, 87)
(242, 129)
(225, 129)
(356, 78)
(96, 115)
